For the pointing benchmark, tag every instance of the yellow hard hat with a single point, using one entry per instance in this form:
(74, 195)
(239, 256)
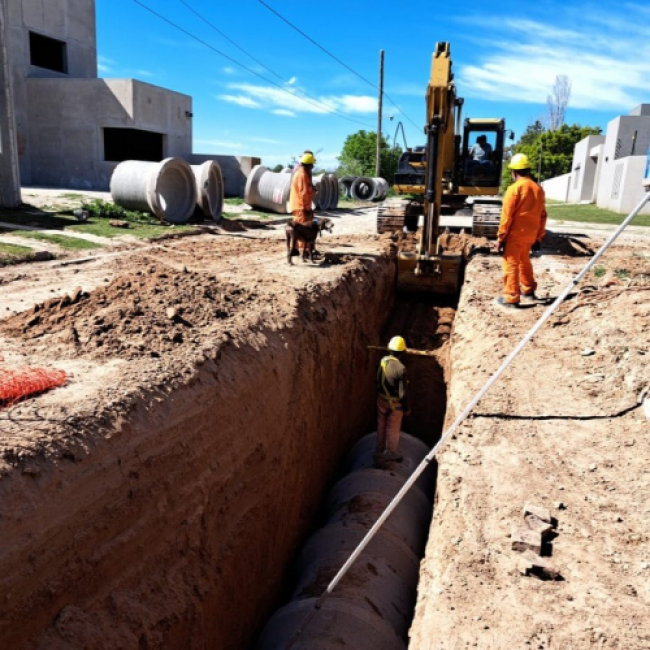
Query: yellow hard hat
(519, 161)
(397, 344)
(308, 159)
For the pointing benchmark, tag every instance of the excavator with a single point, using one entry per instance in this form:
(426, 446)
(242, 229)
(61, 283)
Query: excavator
(451, 175)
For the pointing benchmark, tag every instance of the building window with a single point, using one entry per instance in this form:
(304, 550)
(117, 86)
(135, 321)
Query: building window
(132, 144)
(48, 53)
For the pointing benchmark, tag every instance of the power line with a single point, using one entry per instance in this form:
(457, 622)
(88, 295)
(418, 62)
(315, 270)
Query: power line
(345, 65)
(317, 104)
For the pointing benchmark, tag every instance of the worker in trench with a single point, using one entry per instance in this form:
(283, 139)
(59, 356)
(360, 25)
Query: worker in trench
(521, 229)
(302, 195)
(392, 401)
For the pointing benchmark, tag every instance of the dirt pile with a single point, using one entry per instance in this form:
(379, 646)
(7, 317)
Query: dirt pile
(147, 313)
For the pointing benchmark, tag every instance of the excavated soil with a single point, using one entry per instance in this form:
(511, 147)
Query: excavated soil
(566, 428)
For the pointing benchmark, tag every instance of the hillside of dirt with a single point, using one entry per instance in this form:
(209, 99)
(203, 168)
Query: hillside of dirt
(566, 429)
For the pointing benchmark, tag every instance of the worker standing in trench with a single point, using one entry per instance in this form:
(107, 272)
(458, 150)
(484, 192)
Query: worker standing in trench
(302, 193)
(522, 228)
(392, 401)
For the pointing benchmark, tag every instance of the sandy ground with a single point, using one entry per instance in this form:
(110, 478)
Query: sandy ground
(565, 425)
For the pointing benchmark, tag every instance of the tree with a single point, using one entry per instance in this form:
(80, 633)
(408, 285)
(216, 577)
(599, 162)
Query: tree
(359, 153)
(554, 147)
(278, 168)
(558, 101)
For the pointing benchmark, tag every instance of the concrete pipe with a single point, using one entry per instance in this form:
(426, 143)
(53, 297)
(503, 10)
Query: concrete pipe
(363, 189)
(336, 192)
(336, 620)
(382, 188)
(346, 182)
(268, 190)
(209, 189)
(167, 189)
(322, 192)
(413, 450)
(331, 192)
(378, 593)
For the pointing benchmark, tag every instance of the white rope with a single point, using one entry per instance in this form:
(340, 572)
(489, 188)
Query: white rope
(459, 420)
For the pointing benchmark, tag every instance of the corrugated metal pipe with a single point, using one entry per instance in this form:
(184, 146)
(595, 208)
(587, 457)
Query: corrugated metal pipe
(167, 188)
(268, 190)
(373, 605)
(209, 189)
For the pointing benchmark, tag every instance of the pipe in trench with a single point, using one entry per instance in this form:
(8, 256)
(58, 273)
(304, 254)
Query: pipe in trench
(373, 606)
(167, 188)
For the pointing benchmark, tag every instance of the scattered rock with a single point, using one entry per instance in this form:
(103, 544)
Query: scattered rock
(538, 511)
(593, 467)
(535, 524)
(532, 564)
(588, 352)
(525, 539)
(559, 505)
(117, 223)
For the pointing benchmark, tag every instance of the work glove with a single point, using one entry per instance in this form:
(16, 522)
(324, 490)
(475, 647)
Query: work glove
(501, 247)
(536, 247)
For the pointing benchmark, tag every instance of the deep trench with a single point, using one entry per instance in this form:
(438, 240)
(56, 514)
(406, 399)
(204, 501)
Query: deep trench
(426, 323)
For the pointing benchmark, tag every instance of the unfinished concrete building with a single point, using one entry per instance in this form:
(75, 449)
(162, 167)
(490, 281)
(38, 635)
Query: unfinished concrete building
(608, 170)
(73, 128)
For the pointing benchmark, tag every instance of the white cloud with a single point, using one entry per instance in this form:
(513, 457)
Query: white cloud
(289, 103)
(144, 73)
(229, 70)
(104, 64)
(292, 81)
(241, 100)
(265, 140)
(283, 111)
(606, 61)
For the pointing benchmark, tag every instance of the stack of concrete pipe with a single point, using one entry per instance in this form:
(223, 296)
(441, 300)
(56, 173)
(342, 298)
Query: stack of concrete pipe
(322, 192)
(209, 189)
(268, 190)
(167, 188)
(347, 181)
(372, 606)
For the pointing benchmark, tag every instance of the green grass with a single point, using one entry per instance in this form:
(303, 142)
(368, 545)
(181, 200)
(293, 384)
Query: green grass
(590, 214)
(140, 224)
(69, 243)
(72, 196)
(13, 253)
(237, 200)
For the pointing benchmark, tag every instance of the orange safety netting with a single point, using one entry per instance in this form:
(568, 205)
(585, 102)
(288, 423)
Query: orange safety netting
(16, 384)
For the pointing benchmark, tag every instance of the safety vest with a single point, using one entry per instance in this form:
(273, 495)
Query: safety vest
(384, 389)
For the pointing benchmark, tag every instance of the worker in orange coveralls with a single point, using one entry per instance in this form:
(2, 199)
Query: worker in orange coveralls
(522, 228)
(302, 192)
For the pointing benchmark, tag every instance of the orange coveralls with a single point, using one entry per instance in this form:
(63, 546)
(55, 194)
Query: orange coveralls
(301, 196)
(523, 222)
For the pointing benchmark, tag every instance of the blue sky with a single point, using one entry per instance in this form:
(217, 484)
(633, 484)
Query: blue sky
(506, 56)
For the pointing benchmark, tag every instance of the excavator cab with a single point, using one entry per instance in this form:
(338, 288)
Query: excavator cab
(482, 154)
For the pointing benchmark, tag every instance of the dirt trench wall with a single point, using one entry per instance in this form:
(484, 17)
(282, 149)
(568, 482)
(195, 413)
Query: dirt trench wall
(174, 530)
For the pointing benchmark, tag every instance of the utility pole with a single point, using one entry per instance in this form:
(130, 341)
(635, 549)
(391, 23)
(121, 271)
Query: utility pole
(541, 155)
(381, 104)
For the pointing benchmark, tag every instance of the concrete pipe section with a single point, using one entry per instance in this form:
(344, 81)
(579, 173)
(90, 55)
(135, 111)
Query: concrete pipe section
(346, 182)
(363, 189)
(167, 188)
(322, 192)
(209, 189)
(382, 188)
(268, 190)
(335, 190)
(372, 606)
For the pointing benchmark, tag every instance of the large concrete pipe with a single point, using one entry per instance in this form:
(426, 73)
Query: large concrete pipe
(322, 192)
(336, 192)
(382, 188)
(268, 190)
(167, 188)
(372, 605)
(347, 181)
(209, 189)
(363, 188)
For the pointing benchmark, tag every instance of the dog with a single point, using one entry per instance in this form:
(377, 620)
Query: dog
(306, 233)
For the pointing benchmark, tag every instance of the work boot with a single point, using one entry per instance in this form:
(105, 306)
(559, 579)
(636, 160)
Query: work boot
(511, 305)
(392, 455)
(295, 252)
(529, 297)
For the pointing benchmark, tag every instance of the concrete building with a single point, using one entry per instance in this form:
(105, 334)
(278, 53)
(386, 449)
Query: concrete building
(608, 170)
(73, 128)
(9, 176)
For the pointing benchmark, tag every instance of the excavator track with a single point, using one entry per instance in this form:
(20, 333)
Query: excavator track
(394, 214)
(485, 219)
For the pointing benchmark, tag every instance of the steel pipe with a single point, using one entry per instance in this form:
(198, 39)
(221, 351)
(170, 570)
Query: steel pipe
(167, 189)
(209, 189)
(268, 190)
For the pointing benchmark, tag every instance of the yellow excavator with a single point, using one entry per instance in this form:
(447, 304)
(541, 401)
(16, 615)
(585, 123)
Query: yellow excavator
(453, 175)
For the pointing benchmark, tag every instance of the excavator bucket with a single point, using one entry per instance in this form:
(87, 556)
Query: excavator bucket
(439, 275)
